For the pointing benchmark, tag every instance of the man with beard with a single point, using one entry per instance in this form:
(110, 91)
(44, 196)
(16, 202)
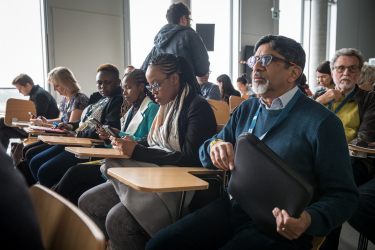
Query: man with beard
(306, 135)
(209, 89)
(355, 107)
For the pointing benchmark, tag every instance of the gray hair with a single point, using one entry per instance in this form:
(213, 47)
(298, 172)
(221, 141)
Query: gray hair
(347, 52)
(367, 73)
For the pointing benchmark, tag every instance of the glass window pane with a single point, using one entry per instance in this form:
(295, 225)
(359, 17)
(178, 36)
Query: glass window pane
(21, 45)
(207, 12)
(290, 19)
(147, 17)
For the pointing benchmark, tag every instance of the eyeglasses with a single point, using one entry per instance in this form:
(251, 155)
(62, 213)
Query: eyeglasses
(156, 86)
(352, 69)
(191, 20)
(265, 60)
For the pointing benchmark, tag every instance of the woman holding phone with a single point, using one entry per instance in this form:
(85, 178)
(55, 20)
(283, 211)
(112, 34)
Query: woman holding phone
(184, 121)
(136, 123)
(49, 166)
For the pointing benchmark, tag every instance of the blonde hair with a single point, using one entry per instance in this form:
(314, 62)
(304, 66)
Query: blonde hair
(65, 78)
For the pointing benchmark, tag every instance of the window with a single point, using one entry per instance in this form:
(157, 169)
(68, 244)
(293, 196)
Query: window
(217, 12)
(147, 17)
(22, 47)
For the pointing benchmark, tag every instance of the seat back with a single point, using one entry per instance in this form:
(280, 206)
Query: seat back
(221, 110)
(62, 224)
(245, 96)
(317, 242)
(234, 102)
(18, 109)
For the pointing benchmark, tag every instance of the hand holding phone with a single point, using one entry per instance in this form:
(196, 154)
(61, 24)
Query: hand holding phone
(96, 122)
(32, 115)
(110, 131)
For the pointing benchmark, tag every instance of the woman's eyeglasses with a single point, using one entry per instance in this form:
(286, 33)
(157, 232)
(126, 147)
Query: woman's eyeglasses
(265, 60)
(156, 86)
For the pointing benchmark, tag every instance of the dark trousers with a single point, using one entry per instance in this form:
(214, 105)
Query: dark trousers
(32, 149)
(77, 180)
(7, 133)
(363, 220)
(50, 166)
(221, 224)
(361, 176)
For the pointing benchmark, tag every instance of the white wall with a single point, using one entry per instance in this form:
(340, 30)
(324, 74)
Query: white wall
(355, 26)
(256, 22)
(84, 34)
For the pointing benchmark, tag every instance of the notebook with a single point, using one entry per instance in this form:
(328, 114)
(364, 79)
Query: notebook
(261, 181)
(49, 130)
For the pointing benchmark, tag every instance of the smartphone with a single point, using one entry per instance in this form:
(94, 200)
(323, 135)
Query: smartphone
(110, 131)
(95, 121)
(34, 116)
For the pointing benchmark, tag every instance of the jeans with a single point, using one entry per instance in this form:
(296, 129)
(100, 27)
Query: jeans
(222, 224)
(50, 166)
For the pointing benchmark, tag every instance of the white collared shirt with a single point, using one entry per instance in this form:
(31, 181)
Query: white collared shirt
(281, 101)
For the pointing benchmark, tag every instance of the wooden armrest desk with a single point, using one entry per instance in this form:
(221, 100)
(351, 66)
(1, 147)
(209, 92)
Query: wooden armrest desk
(355, 149)
(95, 152)
(164, 179)
(31, 131)
(20, 124)
(69, 141)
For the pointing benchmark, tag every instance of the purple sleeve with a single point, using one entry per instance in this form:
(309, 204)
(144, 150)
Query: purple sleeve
(80, 102)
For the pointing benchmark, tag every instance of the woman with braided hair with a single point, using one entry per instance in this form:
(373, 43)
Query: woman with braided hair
(184, 121)
(139, 111)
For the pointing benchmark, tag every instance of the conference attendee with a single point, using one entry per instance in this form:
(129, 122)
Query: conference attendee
(363, 220)
(243, 86)
(19, 223)
(136, 123)
(323, 75)
(367, 78)
(184, 121)
(226, 88)
(72, 104)
(178, 38)
(128, 69)
(209, 90)
(305, 135)
(355, 107)
(49, 166)
(45, 105)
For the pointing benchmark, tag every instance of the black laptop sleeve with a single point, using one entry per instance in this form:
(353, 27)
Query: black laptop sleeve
(261, 181)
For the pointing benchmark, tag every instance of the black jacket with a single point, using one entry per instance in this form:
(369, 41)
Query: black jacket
(366, 109)
(45, 104)
(111, 114)
(182, 41)
(201, 126)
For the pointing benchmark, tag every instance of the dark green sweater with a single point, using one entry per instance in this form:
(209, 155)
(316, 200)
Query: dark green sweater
(310, 139)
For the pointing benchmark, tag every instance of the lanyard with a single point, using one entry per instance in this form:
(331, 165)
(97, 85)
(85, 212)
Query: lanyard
(281, 117)
(91, 109)
(342, 104)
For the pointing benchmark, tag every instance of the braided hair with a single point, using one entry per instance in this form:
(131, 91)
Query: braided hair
(169, 65)
(140, 77)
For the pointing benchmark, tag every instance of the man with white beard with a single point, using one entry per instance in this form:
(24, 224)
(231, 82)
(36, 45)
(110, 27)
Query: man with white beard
(355, 107)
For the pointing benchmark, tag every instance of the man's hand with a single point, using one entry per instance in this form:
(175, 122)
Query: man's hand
(291, 228)
(222, 155)
(331, 94)
(124, 145)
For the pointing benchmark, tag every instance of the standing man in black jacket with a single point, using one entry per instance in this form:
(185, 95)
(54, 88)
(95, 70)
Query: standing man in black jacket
(178, 38)
(45, 105)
